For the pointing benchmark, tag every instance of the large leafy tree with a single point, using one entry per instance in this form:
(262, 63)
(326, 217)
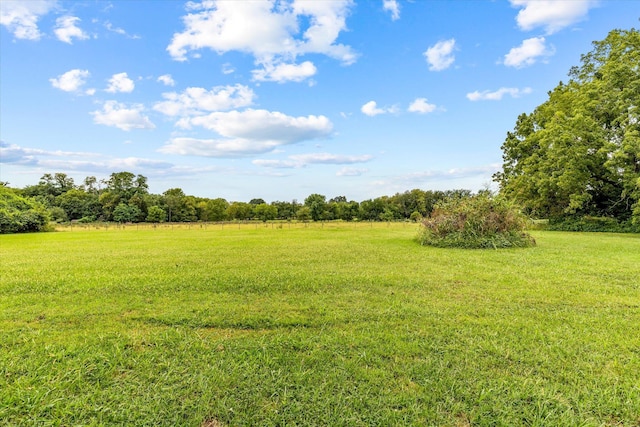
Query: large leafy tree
(180, 207)
(579, 152)
(126, 184)
(156, 214)
(286, 210)
(317, 203)
(239, 211)
(215, 210)
(78, 204)
(127, 188)
(265, 212)
(49, 187)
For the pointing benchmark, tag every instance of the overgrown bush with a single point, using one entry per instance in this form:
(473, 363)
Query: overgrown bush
(593, 224)
(87, 219)
(19, 214)
(58, 214)
(481, 221)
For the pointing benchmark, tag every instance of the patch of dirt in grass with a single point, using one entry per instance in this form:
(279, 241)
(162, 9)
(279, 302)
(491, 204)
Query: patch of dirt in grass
(212, 423)
(462, 420)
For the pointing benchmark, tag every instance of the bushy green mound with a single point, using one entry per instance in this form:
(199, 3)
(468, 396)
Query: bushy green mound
(481, 221)
(20, 215)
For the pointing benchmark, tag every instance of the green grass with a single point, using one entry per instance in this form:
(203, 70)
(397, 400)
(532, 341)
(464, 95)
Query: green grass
(341, 325)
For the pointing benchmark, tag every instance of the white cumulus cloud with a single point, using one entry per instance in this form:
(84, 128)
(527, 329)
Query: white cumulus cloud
(347, 171)
(227, 68)
(120, 83)
(498, 94)
(287, 29)
(197, 100)
(248, 132)
(393, 7)
(440, 56)
(302, 160)
(66, 29)
(167, 80)
(21, 17)
(282, 73)
(119, 115)
(221, 148)
(12, 153)
(552, 15)
(418, 179)
(527, 53)
(92, 163)
(420, 105)
(71, 81)
(264, 125)
(371, 109)
(109, 26)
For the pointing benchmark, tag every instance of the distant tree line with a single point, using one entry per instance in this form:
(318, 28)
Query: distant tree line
(124, 197)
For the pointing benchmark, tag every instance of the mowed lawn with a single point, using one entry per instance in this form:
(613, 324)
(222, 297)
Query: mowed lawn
(318, 325)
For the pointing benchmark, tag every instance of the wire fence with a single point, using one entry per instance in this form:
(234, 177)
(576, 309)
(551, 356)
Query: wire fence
(230, 225)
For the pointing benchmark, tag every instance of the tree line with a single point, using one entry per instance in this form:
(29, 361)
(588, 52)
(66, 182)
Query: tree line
(125, 197)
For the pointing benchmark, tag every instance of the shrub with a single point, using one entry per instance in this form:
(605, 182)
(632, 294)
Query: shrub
(125, 213)
(481, 221)
(593, 224)
(156, 214)
(58, 214)
(415, 216)
(19, 214)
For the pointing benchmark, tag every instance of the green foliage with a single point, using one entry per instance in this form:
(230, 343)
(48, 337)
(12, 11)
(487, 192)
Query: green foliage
(126, 213)
(108, 201)
(579, 152)
(593, 224)
(78, 203)
(156, 214)
(128, 193)
(216, 209)
(239, 211)
(50, 186)
(19, 214)
(257, 201)
(480, 221)
(122, 188)
(286, 210)
(265, 212)
(303, 213)
(180, 207)
(125, 185)
(416, 216)
(90, 201)
(371, 209)
(317, 204)
(58, 214)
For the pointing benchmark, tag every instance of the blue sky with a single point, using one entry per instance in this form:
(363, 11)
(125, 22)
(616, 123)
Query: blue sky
(281, 99)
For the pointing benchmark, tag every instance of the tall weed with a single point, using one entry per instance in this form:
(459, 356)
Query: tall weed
(481, 221)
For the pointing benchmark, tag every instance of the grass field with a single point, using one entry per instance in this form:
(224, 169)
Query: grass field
(332, 325)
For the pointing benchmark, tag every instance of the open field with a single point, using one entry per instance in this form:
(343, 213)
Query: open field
(351, 325)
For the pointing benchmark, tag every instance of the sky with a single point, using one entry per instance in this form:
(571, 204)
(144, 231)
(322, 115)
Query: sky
(280, 99)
